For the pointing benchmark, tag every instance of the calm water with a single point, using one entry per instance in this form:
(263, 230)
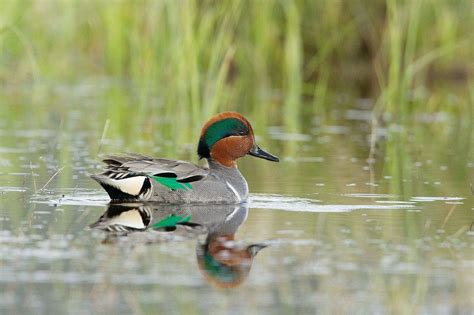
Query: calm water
(326, 231)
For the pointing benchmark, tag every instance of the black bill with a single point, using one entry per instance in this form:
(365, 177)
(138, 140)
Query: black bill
(256, 151)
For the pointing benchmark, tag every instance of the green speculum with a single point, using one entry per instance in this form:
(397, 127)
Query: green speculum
(172, 183)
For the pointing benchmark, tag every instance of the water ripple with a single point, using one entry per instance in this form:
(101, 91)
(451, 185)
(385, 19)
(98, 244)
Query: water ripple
(278, 202)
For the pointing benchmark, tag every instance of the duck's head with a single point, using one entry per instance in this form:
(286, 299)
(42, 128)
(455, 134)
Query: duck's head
(227, 137)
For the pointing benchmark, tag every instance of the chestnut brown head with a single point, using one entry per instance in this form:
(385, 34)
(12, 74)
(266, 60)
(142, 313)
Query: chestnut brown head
(227, 137)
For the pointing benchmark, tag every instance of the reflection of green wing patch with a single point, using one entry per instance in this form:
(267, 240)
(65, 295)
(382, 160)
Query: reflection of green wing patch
(171, 221)
(172, 183)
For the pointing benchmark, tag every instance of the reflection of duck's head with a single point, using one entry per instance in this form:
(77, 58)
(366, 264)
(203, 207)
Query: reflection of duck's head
(223, 261)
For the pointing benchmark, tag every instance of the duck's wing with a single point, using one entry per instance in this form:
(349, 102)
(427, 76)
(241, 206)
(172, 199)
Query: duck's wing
(127, 177)
(126, 165)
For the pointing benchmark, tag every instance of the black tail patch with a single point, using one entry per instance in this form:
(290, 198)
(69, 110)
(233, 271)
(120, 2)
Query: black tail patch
(146, 186)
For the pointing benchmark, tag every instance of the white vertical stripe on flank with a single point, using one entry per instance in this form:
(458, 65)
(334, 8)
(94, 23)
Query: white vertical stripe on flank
(234, 191)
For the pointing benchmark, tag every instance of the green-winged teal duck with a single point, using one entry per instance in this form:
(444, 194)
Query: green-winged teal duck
(224, 138)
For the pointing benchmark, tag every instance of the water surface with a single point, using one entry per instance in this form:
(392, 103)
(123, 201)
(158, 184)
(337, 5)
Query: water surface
(328, 230)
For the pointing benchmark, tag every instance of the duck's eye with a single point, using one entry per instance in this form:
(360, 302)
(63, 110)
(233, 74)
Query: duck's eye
(241, 133)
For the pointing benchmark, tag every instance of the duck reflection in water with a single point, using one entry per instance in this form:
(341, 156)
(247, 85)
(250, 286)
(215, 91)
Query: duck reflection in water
(223, 261)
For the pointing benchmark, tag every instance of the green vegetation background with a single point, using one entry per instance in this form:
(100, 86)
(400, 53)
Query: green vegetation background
(152, 69)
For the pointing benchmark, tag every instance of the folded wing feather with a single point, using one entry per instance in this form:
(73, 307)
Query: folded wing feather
(134, 164)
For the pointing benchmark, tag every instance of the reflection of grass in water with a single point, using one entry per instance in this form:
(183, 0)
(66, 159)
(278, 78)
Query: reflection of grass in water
(399, 165)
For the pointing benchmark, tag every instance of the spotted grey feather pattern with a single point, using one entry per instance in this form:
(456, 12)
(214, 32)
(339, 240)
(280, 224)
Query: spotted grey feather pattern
(135, 164)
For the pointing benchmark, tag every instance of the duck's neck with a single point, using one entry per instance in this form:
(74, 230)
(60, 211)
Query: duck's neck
(223, 160)
(217, 165)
